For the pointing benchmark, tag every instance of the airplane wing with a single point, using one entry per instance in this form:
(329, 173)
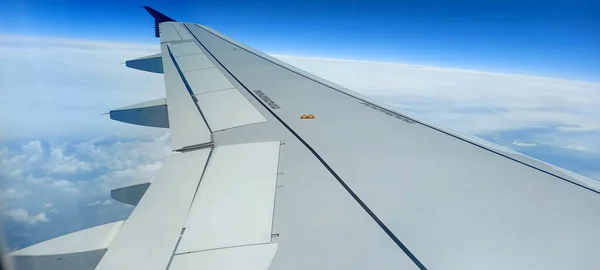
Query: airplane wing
(275, 168)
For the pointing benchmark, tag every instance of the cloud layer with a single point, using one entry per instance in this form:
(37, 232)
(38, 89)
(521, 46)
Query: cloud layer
(53, 188)
(55, 87)
(22, 215)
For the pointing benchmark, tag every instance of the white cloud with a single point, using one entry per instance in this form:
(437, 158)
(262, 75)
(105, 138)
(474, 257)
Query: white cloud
(12, 193)
(591, 127)
(88, 168)
(59, 163)
(22, 215)
(50, 207)
(41, 217)
(99, 202)
(34, 150)
(14, 163)
(126, 154)
(65, 186)
(577, 148)
(523, 144)
(94, 203)
(18, 214)
(69, 83)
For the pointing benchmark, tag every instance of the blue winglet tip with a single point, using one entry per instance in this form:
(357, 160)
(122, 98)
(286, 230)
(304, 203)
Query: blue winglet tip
(158, 18)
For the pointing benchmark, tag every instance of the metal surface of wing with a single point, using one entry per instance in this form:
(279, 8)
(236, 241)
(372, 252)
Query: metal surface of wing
(439, 199)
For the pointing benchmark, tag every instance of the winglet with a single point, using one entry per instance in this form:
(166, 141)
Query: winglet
(158, 18)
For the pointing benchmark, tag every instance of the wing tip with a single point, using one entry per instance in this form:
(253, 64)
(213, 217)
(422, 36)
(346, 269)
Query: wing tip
(158, 18)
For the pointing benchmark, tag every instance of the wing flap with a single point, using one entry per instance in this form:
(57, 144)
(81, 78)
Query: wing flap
(184, 48)
(228, 109)
(207, 80)
(193, 62)
(254, 257)
(234, 202)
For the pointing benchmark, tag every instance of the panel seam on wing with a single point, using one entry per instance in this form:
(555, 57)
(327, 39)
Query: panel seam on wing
(189, 89)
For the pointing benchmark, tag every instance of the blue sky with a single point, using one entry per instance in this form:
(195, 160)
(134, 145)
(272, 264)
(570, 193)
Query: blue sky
(59, 158)
(548, 38)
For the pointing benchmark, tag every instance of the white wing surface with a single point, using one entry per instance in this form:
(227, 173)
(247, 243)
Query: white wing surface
(280, 169)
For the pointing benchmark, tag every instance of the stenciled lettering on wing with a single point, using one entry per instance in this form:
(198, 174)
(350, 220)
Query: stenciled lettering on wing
(388, 112)
(266, 99)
